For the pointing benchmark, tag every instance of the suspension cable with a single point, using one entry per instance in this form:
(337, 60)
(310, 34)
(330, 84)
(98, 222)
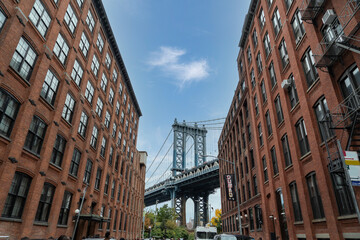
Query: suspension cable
(161, 161)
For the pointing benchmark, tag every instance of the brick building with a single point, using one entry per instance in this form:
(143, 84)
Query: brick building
(293, 115)
(68, 124)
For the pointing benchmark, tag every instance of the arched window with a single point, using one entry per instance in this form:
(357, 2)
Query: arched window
(9, 107)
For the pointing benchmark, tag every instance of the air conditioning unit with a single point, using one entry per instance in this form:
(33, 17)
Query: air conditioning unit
(329, 17)
(286, 83)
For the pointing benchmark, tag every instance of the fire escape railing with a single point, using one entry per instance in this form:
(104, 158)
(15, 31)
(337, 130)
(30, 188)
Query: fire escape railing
(310, 8)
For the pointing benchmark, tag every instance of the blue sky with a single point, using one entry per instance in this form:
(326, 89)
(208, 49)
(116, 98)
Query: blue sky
(181, 58)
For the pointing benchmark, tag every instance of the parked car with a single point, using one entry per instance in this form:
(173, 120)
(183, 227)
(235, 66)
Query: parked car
(225, 236)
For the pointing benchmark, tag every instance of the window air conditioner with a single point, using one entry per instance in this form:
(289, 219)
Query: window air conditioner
(286, 83)
(328, 17)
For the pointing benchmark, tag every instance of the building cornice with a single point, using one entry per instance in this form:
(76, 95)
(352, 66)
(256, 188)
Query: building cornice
(100, 10)
(248, 22)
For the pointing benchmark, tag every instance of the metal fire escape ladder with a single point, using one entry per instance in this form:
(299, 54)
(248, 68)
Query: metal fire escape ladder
(345, 117)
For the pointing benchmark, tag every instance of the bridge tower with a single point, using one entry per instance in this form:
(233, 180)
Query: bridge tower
(181, 132)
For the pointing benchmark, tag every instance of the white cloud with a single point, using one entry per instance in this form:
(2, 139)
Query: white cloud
(168, 60)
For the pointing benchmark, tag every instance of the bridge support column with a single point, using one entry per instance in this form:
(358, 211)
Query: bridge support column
(201, 216)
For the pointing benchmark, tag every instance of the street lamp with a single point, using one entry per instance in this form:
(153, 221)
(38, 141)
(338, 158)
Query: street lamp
(236, 187)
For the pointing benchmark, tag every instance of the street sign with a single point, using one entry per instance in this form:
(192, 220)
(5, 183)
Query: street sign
(353, 164)
(230, 188)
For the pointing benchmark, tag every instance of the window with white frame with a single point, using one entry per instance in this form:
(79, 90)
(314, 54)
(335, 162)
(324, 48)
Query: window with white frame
(2, 19)
(77, 73)
(69, 107)
(117, 108)
(107, 119)
(122, 117)
(94, 137)
(99, 106)
(83, 124)
(50, 87)
(120, 89)
(297, 26)
(267, 45)
(114, 130)
(262, 19)
(119, 138)
(89, 92)
(108, 60)
(114, 76)
(61, 49)
(100, 42)
(308, 64)
(40, 17)
(104, 82)
(24, 59)
(84, 44)
(95, 65)
(111, 96)
(80, 3)
(125, 98)
(128, 109)
(90, 21)
(276, 21)
(272, 74)
(103, 147)
(71, 19)
(288, 3)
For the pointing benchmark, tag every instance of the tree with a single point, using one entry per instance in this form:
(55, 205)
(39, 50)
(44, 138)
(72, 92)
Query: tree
(216, 221)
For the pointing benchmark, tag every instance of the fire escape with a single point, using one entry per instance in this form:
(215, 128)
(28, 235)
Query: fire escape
(340, 35)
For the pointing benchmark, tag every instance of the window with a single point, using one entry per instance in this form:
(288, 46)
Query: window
(288, 3)
(84, 44)
(61, 49)
(259, 63)
(9, 107)
(254, 38)
(102, 212)
(115, 219)
(252, 77)
(98, 178)
(293, 96)
(128, 108)
(100, 42)
(114, 130)
(40, 17)
(111, 96)
(35, 135)
(315, 198)
(276, 21)
(266, 177)
(297, 26)
(99, 106)
(349, 85)
(58, 151)
(308, 64)
(117, 162)
(83, 124)
(261, 140)
(2, 19)
(49, 88)
(119, 139)
(272, 74)
(109, 217)
(262, 19)
(122, 117)
(268, 122)
(106, 187)
(295, 202)
(283, 53)
(104, 82)
(255, 185)
(258, 217)
(251, 219)
(16, 197)
(124, 145)
(302, 137)
(77, 73)
(111, 155)
(249, 132)
(75, 162)
(95, 65)
(43, 210)
(68, 110)
(286, 150)
(126, 126)
(342, 194)
(90, 21)
(256, 105)
(321, 108)
(108, 60)
(279, 112)
(107, 119)
(117, 108)
(113, 189)
(114, 76)
(125, 98)
(65, 208)
(267, 45)
(103, 147)
(71, 19)
(94, 136)
(263, 91)
(88, 169)
(80, 3)
(274, 160)
(249, 189)
(24, 58)
(89, 92)
(120, 89)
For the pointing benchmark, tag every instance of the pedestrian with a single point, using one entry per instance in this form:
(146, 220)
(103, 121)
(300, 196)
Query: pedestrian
(63, 237)
(107, 236)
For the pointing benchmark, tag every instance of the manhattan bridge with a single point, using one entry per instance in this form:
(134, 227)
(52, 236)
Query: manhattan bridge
(184, 172)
